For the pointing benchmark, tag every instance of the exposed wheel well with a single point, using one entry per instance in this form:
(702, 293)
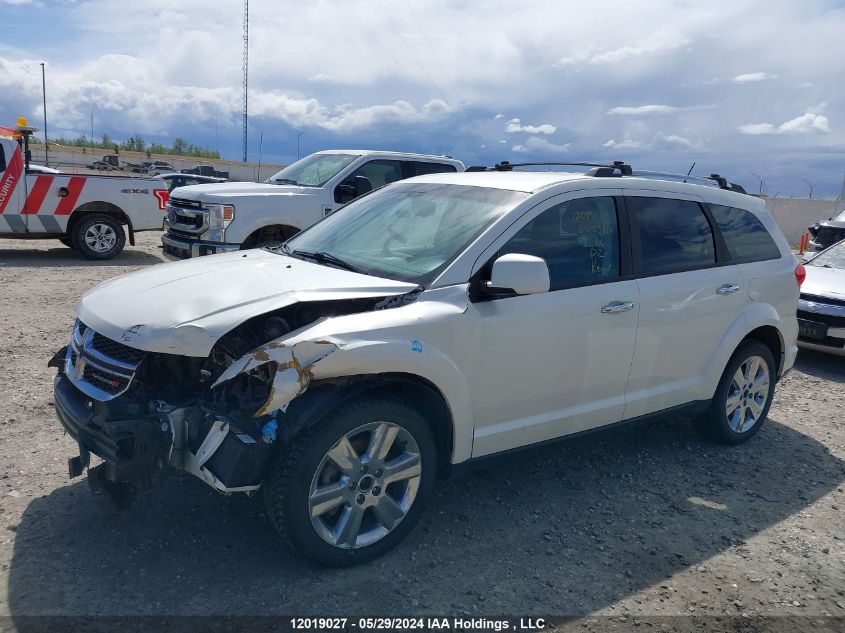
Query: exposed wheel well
(323, 396)
(272, 232)
(101, 207)
(770, 337)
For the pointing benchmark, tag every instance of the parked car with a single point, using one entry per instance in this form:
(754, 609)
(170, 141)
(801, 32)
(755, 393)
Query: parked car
(821, 309)
(228, 217)
(206, 170)
(422, 328)
(158, 167)
(107, 163)
(186, 180)
(824, 234)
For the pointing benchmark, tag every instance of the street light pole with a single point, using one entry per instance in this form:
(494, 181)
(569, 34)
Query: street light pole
(44, 97)
(92, 129)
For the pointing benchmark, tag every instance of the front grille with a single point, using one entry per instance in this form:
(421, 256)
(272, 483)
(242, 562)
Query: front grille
(116, 350)
(185, 204)
(828, 319)
(99, 366)
(820, 299)
(185, 217)
(828, 341)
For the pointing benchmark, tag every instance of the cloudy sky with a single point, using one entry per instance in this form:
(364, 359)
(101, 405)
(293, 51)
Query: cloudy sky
(740, 87)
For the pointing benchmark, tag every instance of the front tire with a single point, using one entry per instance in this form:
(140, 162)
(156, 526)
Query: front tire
(99, 236)
(744, 395)
(67, 241)
(351, 487)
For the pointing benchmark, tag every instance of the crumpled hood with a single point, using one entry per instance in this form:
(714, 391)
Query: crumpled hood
(230, 191)
(185, 307)
(824, 282)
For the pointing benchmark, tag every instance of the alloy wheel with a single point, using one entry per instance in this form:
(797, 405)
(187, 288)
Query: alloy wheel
(747, 394)
(365, 485)
(100, 237)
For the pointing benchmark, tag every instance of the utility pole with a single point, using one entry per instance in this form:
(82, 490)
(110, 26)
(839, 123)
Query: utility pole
(298, 136)
(44, 97)
(246, 71)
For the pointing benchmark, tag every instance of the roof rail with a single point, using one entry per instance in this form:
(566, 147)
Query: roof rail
(721, 181)
(606, 169)
(616, 169)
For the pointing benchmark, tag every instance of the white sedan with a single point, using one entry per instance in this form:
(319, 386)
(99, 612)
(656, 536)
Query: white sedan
(821, 309)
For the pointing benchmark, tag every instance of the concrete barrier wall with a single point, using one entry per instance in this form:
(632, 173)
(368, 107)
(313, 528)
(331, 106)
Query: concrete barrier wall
(74, 161)
(794, 215)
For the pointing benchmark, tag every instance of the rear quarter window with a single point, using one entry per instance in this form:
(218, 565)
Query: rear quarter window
(745, 236)
(421, 168)
(2, 158)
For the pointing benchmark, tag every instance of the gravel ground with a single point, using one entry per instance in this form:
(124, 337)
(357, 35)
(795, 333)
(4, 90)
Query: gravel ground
(642, 522)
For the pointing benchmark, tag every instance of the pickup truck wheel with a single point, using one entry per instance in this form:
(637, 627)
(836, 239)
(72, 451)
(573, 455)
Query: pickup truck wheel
(743, 397)
(67, 242)
(352, 486)
(99, 236)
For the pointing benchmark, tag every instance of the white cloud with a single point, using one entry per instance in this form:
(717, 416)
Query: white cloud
(804, 124)
(661, 42)
(514, 126)
(643, 109)
(753, 77)
(540, 146)
(499, 116)
(623, 144)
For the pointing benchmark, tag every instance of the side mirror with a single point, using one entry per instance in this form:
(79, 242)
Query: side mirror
(348, 190)
(519, 274)
(344, 192)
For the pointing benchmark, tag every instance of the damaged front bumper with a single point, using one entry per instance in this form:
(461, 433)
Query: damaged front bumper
(137, 452)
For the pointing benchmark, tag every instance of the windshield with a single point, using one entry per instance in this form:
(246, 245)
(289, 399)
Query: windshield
(834, 257)
(839, 218)
(314, 170)
(407, 231)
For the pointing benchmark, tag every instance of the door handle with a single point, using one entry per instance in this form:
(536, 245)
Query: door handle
(727, 289)
(617, 306)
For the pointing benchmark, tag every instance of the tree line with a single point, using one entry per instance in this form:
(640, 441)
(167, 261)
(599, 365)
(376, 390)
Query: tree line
(180, 146)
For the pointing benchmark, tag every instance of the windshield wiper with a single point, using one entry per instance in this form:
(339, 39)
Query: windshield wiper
(285, 181)
(327, 258)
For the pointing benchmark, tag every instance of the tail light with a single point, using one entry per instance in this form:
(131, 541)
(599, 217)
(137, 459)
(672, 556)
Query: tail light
(162, 195)
(800, 274)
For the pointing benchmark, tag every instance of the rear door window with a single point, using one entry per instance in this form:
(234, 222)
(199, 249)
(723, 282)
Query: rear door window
(2, 158)
(746, 237)
(672, 235)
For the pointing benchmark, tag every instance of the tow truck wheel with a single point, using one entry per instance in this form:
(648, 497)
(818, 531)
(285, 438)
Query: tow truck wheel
(352, 486)
(99, 236)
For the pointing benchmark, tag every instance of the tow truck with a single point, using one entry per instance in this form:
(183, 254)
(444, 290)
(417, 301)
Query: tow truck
(92, 214)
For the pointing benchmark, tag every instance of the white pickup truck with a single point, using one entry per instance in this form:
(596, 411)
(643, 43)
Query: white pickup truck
(218, 218)
(86, 213)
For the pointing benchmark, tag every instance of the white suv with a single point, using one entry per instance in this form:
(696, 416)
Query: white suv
(430, 323)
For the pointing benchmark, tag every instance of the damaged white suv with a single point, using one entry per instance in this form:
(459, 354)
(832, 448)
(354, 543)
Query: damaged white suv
(427, 324)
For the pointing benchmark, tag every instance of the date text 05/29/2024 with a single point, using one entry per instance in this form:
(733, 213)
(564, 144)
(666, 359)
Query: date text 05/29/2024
(416, 624)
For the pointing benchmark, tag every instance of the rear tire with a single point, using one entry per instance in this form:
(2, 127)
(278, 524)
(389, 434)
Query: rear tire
(744, 395)
(340, 501)
(99, 236)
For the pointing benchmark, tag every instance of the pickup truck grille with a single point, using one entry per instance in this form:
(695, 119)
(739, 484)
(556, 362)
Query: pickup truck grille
(98, 366)
(185, 217)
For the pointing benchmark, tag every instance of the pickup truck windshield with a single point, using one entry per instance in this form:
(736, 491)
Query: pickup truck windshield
(406, 231)
(312, 171)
